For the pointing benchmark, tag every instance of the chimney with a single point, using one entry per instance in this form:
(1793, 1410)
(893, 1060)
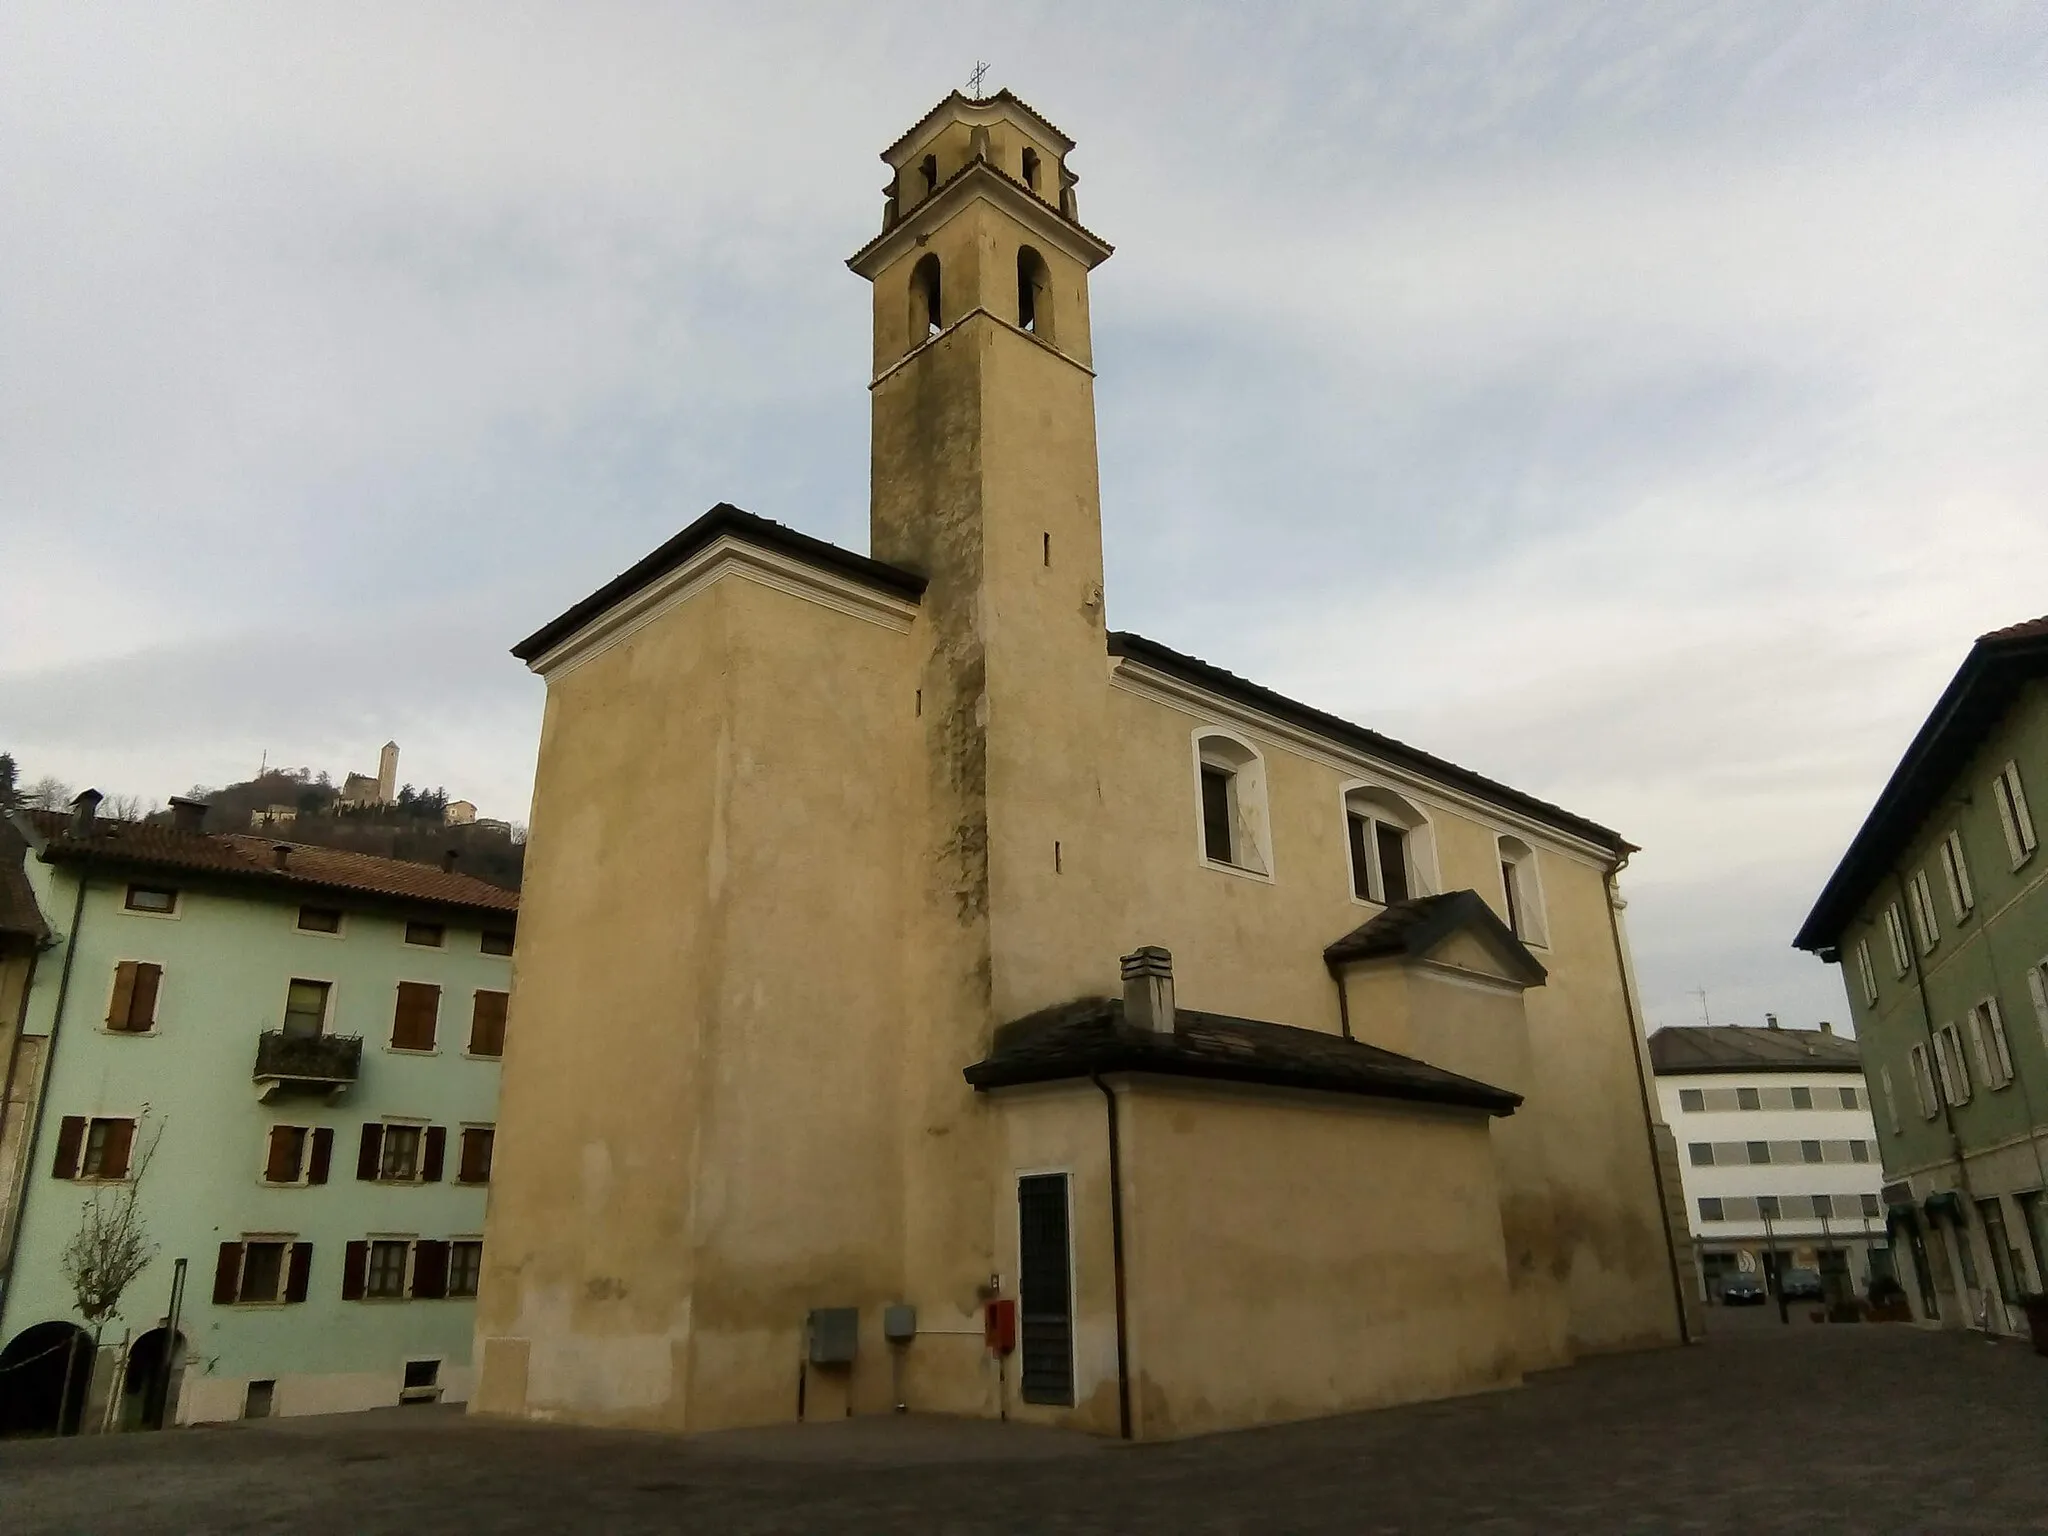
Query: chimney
(279, 854)
(1770, 1021)
(83, 809)
(448, 858)
(1826, 1028)
(1148, 989)
(187, 815)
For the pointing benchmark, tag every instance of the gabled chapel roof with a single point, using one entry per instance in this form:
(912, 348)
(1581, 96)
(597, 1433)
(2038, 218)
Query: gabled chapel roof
(1089, 1036)
(1416, 926)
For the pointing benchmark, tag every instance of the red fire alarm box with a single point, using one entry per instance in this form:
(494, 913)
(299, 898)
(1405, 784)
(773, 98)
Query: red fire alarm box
(999, 1325)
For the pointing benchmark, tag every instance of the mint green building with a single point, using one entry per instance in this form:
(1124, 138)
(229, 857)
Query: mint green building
(1938, 916)
(288, 1056)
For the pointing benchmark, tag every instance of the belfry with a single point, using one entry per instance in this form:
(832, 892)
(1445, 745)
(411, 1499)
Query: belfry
(929, 997)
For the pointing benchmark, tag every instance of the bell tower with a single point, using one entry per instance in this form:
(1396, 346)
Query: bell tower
(984, 481)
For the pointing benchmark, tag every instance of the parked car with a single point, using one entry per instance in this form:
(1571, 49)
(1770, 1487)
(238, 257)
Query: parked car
(1740, 1290)
(1801, 1285)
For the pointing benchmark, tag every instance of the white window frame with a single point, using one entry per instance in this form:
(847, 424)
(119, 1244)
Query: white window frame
(1251, 824)
(333, 987)
(175, 911)
(1955, 869)
(1923, 1082)
(1921, 895)
(2037, 989)
(1864, 973)
(1381, 803)
(1988, 1042)
(1951, 1066)
(2010, 796)
(1517, 861)
(1891, 1099)
(1895, 932)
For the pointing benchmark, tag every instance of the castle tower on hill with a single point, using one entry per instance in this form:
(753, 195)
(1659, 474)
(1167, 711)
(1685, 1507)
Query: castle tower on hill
(982, 966)
(387, 773)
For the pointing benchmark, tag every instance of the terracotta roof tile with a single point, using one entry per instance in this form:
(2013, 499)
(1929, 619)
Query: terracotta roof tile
(308, 867)
(19, 913)
(2032, 629)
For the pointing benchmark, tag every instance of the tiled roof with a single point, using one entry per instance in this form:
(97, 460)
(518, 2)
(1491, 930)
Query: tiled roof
(1693, 1048)
(1089, 1036)
(1214, 678)
(720, 521)
(1417, 925)
(251, 860)
(1999, 665)
(19, 913)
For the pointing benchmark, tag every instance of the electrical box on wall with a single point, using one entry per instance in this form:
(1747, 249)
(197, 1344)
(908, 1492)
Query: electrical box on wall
(835, 1334)
(999, 1325)
(899, 1323)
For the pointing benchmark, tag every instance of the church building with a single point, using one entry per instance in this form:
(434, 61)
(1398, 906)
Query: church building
(929, 998)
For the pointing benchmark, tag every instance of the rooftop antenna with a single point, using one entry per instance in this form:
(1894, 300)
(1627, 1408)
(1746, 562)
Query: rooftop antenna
(1701, 994)
(980, 70)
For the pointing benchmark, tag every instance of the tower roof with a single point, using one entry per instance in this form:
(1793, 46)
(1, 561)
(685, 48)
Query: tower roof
(959, 106)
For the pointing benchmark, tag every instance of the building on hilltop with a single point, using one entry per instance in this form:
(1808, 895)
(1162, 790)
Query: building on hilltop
(1779, 1153)
(1938, 916)
(359, 789)
(986, 970)
(288, 1056)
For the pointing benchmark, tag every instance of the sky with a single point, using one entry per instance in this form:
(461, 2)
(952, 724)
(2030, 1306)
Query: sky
(1639, 404)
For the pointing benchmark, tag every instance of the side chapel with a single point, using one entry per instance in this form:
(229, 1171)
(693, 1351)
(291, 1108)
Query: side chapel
(928, 997)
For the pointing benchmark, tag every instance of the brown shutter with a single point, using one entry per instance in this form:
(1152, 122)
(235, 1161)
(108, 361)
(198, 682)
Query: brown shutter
(124, 995)
(436, 1154)
(355, 1263)
(142, 1011)
(323, 1155)
(301, 1271)
(412, 1025)
(70, 1138)
(114, 1159)
(282, 1166)
(227, 1274)
(429, 1270)
(487, 1025)
(470, 1170)
(369, 1153)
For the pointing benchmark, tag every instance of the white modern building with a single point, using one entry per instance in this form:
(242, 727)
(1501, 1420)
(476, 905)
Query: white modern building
(1777, 1150)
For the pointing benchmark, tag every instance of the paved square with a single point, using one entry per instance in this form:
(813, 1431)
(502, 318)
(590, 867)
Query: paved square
(1764, 1428)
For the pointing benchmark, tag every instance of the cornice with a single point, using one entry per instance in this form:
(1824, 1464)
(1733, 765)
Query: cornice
(727, 556)
(982, 181)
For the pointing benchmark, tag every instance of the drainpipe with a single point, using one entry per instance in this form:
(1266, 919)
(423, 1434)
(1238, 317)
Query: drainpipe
(1636, 1049)
(1116, 1248)
(1343, 1000)
(35, 1133)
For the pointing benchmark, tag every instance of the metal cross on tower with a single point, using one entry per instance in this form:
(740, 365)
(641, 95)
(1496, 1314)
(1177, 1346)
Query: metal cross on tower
(980, 70)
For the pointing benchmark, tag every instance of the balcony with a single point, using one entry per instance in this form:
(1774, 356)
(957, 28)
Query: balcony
(289, 1064)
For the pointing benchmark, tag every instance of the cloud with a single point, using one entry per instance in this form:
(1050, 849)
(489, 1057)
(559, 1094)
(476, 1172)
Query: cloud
(1633, 403)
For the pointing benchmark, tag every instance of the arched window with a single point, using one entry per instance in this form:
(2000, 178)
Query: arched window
(925, 307)
(1230, 779)
(1031, 169)
(930, 167)
(1034, 296)
(1521, 895)
(1393, 853)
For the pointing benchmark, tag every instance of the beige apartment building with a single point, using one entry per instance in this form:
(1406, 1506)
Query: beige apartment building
(986, 972)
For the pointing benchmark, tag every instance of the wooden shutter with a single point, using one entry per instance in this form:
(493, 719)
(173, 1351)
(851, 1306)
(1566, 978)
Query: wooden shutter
(436, 1153)
(70, 1140)
(142, 1011)
(124, 995)
(371, 1151)
(487, 1025)
(412, 1025)
(471, 1168)
(2020, 812)
(429, 1270)
(300, 1273)
(227, 1274)
(355, 1263)
(114, 1157)
(281, 1166)
(323, 1155)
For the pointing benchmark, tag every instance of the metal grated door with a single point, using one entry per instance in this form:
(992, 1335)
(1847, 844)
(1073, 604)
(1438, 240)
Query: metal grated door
(1045, 1291)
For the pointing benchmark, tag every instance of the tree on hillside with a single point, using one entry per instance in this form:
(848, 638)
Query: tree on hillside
(7, 775)
(47, 794)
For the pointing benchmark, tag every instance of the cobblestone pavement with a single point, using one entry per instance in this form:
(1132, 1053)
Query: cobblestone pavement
(1764, 1428)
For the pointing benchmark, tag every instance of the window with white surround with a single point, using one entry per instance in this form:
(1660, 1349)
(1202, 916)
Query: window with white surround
(1891, 1100)
(1923, 1082)
(1863, 971)
(1921, 895)
(1230, 783)
(2011, 798)
(1895, 931)
(1988, 1044)
(1390, 845)
(1950, 1066)
(2037, 988)
(1955, 869)
(1522, 891)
